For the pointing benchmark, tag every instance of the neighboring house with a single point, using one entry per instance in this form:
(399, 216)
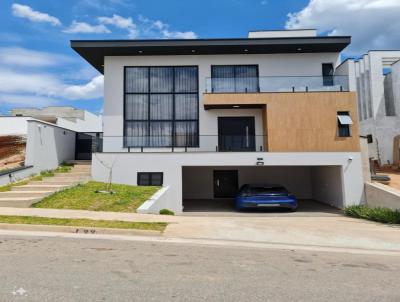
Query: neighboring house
(376, 77)
(22, 134)
(67, 117)
(202, 117)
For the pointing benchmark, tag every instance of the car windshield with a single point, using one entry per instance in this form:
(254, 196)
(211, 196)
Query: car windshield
(266, 190)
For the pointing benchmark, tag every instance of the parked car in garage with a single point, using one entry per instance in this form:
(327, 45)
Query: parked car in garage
(259, 196)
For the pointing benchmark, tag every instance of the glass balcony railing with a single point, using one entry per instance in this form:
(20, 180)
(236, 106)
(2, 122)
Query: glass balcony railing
(278, 84)
(181, 143)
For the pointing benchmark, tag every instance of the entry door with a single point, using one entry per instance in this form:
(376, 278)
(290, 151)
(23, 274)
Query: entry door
(225, 183)
(236, 134)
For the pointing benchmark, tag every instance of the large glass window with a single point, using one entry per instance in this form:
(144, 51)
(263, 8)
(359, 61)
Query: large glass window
(161, 106)
(234, 78)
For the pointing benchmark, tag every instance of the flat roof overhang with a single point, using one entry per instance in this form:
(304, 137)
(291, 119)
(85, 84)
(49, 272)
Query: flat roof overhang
(94, 51)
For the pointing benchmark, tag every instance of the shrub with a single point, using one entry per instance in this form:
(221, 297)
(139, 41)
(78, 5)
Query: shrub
(383, 215)
(166, 212)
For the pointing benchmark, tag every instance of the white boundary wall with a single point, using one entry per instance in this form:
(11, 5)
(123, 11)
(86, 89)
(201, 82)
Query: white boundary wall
(379, 195)
(13, 125)
(126, 166)
(48, 146)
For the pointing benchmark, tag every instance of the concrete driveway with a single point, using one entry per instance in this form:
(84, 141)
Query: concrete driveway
(331, 232)
(225, 208)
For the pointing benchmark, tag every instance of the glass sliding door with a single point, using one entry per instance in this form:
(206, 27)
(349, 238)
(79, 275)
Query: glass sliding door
(234, 78)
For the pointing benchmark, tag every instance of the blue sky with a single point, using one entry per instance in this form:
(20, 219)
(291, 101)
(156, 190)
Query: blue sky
(38, 68)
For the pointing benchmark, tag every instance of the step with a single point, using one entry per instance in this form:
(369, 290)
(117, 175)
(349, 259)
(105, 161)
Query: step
(79, 162)
(54, 182)
(89, 169)
(28, 187)
(24, 194)
(70, 174)
(62, 179)
(18, 202)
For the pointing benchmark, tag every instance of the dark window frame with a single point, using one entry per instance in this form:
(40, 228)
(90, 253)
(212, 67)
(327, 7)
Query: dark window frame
(196, 144)
(340, 127)
(328, 79)
(234, 73)
(150, 177)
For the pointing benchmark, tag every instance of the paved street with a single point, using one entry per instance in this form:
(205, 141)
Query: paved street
(65, 269)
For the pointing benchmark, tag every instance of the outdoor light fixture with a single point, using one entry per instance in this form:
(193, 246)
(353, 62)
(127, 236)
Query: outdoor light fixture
(236, 106)
(260, 161)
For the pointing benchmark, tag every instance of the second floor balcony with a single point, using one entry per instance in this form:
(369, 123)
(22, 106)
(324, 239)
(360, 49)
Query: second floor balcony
(276, 84)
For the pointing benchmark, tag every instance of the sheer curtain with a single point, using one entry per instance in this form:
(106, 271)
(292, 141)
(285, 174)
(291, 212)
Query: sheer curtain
(161, 106)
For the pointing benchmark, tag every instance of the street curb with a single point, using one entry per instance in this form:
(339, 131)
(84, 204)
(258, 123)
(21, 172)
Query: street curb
(78, 230)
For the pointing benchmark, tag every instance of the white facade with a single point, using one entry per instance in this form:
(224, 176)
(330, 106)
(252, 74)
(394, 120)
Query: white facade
(378, 100)
(270, 65)
(332, 177)
(335, 178)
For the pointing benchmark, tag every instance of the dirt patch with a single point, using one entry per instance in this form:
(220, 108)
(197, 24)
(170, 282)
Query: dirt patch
(12, 151)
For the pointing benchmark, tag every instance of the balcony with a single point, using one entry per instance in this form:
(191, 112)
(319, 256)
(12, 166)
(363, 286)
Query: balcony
(183, 143)
(276, 84)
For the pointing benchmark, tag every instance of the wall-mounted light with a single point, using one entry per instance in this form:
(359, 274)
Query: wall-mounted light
(236, 106)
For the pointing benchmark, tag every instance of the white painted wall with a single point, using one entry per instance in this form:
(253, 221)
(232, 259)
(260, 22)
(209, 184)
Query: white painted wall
(90, 123)
(382, 196)
(16, 176)
(126, 166)
(48, 145)
(283, 33)
(269, 65)
(370, 83)
(327, 185)
(13, 125)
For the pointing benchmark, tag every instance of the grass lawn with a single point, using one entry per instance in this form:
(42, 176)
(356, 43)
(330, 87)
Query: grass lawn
(382, 215)
(84, 197)
(154, 226)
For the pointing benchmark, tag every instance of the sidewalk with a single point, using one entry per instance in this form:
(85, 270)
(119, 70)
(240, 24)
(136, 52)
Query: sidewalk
(331, 232)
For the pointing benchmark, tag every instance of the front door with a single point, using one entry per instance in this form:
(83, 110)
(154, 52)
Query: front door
(236, 134)
(225, 183)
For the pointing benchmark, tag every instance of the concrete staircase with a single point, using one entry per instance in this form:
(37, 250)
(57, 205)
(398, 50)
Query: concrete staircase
(24, 196)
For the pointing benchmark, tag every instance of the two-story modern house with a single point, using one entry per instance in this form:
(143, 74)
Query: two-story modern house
(203, 117)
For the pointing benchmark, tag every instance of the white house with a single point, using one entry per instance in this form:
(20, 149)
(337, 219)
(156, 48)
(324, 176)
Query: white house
(203, 117)
(377, 79)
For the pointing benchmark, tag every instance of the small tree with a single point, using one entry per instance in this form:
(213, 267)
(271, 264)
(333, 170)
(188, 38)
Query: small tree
(109, 167)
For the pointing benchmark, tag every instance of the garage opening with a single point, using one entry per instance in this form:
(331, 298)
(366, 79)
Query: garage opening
(212, 189)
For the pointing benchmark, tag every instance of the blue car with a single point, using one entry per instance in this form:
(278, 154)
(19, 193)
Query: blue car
(264, 196)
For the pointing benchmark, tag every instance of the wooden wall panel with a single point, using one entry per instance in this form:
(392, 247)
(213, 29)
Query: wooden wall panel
(300, 122)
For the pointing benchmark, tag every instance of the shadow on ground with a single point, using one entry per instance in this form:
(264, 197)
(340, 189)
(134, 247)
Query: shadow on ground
(225, 207)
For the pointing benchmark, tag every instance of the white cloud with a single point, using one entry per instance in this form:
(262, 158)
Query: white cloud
(373, 24)
(30, 58)
(24, 11)
(90, 90)
(47, 85)
(27, 100)
(83, 27)
(121, 22)
(159, 29)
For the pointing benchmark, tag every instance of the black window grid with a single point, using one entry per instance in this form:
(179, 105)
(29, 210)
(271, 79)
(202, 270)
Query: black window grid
(193, 138)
